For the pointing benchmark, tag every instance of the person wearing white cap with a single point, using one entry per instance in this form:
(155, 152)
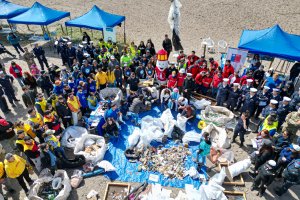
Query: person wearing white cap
(245, 90)
(223, 91)
(263, 99)
(275, 94)
(234, 94)
(71, 52)
(250, 102)
(266, 175)
(283, 110)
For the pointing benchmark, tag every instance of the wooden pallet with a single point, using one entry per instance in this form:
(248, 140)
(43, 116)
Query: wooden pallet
(234, 193)
(200, 96)
(121, 186)
(239, 180)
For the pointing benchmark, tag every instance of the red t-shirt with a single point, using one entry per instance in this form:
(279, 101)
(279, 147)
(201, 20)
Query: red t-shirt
(217, 80)
(244, 80)
(198, 79)
(214, 65)
(206, 81)
(227, 71)
(180, 79)
(172, 81)
(194, 70)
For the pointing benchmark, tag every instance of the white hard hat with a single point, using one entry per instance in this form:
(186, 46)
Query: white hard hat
(273, 101)
(253, 90)
(287, 99)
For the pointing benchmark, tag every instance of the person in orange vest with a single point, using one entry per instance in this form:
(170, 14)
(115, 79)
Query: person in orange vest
(52, 122)
(74, 105)
(16, 167)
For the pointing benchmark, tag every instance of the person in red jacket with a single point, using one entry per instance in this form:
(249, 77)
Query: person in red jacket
(193, 69)
(16, 71)
(206, 82)
(213, 64)
(217, 79)
(192, 59)
(234, 78)
(198, 80)
(203, 68)
(181, 56)
(180, 80)
(228, 69)
(245, 77)
(172, 80)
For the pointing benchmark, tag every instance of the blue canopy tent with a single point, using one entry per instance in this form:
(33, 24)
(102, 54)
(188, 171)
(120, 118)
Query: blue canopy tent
(39, 15)
(272, 42)
(9, 10)
(97, 19)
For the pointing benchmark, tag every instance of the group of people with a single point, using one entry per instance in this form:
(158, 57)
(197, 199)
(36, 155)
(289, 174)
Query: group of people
(58, 97)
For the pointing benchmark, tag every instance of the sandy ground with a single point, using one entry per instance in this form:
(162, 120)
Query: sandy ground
(219, 19)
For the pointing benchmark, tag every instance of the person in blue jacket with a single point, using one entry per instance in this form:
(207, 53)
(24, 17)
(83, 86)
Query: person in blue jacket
(83, 101)
(79, 78)
(287, 155)
(15, 42)
(91, 85)
(86, 68)
(72, 84)
(58, 87)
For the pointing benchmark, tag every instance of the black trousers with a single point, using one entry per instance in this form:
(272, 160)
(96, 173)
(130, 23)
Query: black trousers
(3, 104)
(24, 175)
(18, 47)
(67, 122)
(43, 60)
(11, 96)
(259, 182)
(240, 133)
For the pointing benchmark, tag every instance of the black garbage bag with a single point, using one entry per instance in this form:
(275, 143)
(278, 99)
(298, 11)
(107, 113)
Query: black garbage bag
(177, 133)
(63, 163)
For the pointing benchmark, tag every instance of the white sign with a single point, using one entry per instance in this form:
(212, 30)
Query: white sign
(154, 178)
(110, 34)
(237, 57)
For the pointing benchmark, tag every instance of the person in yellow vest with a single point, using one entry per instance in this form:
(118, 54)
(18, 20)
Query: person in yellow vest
(101, 43)
(53, 142)
(26, 128)
(35, 118)
(74, 105)
(16, 167)
(32, 151)
(52, 122)
(20, 140)
(101, 79)
(111, 79)
(92, 101)
(52, 109)
(5, 181)
(40, 104)
(53, 99)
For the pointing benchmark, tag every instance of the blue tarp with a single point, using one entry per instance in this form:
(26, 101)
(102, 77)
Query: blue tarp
(128, 172)
(39, 15)
(272, 42)
(9, 10)
(96, 19)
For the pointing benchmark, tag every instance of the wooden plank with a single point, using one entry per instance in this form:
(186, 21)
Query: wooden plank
(117, 184)
(200, 96)
(235, 193)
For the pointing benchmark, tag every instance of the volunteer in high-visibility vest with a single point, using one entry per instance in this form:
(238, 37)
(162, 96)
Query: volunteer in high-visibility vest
(16, 167)
(101, 79)
(5, 181)
(26, 128)
(35, 119)
(52, 122)
(53, 142)
(31, 150)
(40, 104)
(74, 105)
(20, 140)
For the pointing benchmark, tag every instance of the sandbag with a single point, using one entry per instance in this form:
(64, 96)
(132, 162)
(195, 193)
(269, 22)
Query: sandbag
(217, 115)
(201, 104)
(218, 135)
(79, 148)
(133, 139)
(191, 136)
(181, 121)
(72, 135)
(46, 177)
(239, 167)
(219, 177)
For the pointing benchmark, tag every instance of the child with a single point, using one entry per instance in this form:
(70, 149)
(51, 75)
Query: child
(241, 127)
(204, 150)
(173, 101)
(35, 71)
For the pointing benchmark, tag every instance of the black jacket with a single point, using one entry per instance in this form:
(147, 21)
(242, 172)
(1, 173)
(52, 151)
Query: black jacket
(167, 45)
(6, 83)
(29, 98)
(45, 83)
(3, 131)
(63, 110)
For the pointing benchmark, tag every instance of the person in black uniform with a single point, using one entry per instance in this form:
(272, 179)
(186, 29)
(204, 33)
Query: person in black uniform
(250, 102)
(40, 55)
(245, 90)
(241, 128)
(234, 94)
(295, 100)
(62, 50)
(263, 100)
(71, 53)
(188, 86)
(3, 104)
(259, 75)
(167, 44)
(64, 112)
(283, 110)
(6, 82)
(275, 95)
(223, 91)
(291, 176)
(45, 83)
(265, 176)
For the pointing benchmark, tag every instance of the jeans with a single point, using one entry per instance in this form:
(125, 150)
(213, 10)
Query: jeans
(75, 118)
(17, 47)
(60, 151)
(20, 81)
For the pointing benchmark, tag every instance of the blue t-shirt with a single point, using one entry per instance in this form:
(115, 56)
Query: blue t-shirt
(112, 113)
(271, 83)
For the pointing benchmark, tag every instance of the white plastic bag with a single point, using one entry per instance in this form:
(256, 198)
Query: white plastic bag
(219, 177)
(201, 104)
(239, 167)
(193, 173)
(107, 166)
(217, 115)
(79, 148)
(191, 136)
(72, 135)
(218, 135)
(181, 121)
(133, 139)
(166, 116)
(46, 177)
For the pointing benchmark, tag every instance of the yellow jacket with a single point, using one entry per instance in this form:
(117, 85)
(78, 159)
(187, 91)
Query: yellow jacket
(101, 79)
(110, 77)
(16, 168)
(1, 170)
(27, 129)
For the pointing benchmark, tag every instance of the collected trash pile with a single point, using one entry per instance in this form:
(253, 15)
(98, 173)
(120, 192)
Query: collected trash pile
(167, 161)
(47, 186)
(217, 115)
(72, 135)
